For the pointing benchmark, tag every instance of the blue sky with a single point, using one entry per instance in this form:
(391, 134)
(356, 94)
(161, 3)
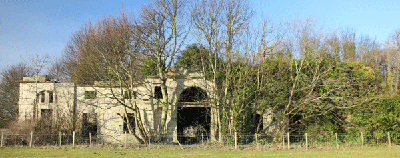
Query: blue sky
(45, 26)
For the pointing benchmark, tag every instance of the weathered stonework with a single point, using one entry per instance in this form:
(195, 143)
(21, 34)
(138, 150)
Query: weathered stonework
(70, 101)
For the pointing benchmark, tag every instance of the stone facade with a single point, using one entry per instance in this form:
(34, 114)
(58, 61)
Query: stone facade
(69, 100)
(96, 105)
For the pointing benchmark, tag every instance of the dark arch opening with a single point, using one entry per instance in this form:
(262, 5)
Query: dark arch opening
(192, 94)
(258, 123)
(193, 116)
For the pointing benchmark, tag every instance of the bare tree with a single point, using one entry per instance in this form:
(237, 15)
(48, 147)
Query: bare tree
(163, 25)
(307, 38)
(110, 53)
(271, 42)
(206, 19)
(37, 63)
(392, 50)
(370, 52)
(235, 18)
(9, 90)
(348, 40)
(333, 45)
(220, 24)
(58, 71)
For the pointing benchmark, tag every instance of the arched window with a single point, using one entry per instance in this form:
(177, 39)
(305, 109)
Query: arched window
(41, 97)
(192, 94)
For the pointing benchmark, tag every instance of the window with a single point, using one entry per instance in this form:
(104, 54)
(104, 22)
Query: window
(84, 118)
(158, 93)
(89, 118)
(129, 122)
(50, 97)
(129, 94)
(90, 94)
(46, 119)
(42, 99)
(89, 124)
(46, 114)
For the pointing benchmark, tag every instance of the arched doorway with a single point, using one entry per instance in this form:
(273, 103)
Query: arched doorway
(193, 94)
(193, 116)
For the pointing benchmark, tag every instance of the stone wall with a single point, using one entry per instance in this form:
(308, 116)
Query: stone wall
(69, 100)
(80, 106)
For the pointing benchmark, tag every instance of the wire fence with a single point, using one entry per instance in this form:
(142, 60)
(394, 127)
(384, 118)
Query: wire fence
(228, 141)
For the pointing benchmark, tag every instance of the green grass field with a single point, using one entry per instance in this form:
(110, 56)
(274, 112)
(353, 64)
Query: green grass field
(104, 152)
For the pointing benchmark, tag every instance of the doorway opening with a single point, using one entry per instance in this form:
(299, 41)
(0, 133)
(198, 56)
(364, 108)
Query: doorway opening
(193, 124)
(194, 116)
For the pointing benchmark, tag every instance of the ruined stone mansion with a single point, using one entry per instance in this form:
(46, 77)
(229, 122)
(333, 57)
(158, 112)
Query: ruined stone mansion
(94, 109)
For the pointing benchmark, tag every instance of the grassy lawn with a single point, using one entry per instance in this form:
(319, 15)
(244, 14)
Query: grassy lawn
(105, 152)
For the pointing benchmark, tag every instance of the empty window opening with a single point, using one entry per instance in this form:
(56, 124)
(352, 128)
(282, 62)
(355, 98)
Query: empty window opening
(46, 114)
(258, 120)
(90, 94)
(158, 92)
(157, 119)
(193, 124)
(89, 124)
(192, 94)
(51, 97)
(45, 121)
(129, 123)
(129, 94)
(296, 127)
(42, 96)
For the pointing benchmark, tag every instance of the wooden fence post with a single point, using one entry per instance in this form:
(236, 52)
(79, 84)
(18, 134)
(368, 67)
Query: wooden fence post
(256, 141)
(390, 141)
(2, 137)
(30, 143)
(202, 137)
(73, 139)
(235, 140)
(362, 140)
(288, 141)
(149, 143)
(337, 145)
(90, 139)
(125, 139)
(306, 142)
(59, 138)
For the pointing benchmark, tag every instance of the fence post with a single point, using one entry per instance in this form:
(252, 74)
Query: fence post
(149, 143)
(2, 135)
(59, 138)
(125, 140)
(256, 141)
(90, 139)
(288, 141)
(202, 137)
(73, 139)
(283, 141)
(306, 142)
(337, 145)
(30, 143)
(235, 140)
(362, 140)
(390, 141)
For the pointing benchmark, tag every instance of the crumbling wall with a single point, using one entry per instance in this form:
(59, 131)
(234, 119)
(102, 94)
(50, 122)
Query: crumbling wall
(71, 101)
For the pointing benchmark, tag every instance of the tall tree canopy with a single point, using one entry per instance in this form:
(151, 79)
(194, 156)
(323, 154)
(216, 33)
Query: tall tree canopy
(96, 49)
(9, 91)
